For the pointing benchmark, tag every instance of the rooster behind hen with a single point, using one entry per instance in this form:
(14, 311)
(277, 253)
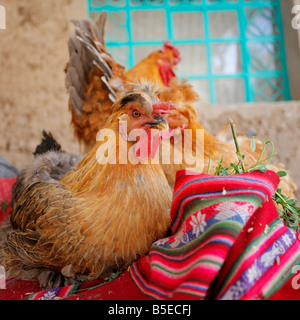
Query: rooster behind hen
(94, 78)
(85, 220)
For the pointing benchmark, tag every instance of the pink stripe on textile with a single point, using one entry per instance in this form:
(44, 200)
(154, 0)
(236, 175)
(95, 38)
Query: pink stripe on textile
(212, 186)
(190, 259)
(250, 257)
(276, 271)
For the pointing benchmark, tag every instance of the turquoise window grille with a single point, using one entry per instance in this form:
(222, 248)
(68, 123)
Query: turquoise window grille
(233, 50)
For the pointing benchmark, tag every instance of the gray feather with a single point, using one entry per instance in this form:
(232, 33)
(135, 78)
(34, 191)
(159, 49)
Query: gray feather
(74, 45)
(76, 102)
(100, 26)
(52, 165)
(73, 80)
(112, 91)
(86, 50)
(75, 63)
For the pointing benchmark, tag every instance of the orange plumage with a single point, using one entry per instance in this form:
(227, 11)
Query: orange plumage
(85, 221)
(185, 116)
(94, 78)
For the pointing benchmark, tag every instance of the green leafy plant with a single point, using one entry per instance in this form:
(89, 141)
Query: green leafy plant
(290, 211)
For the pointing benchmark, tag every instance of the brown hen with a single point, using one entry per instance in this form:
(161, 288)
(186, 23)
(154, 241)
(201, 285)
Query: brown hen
(85, 221)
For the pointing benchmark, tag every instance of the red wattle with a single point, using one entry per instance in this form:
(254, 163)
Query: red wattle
(166, 73)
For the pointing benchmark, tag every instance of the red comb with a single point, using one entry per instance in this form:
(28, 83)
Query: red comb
(164, 107)
(169, 46)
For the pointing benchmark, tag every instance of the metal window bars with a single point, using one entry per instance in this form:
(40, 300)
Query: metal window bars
(233, 50)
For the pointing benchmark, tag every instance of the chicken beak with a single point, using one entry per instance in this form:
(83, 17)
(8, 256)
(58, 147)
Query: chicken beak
(160, 124)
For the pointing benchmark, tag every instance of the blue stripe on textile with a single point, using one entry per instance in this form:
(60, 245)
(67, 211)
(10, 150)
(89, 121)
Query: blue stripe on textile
(143, 285)
(215, 194)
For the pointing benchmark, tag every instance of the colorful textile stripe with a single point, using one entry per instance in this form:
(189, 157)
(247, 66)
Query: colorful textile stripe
(54, 294)
(261, 260)
(208, 214)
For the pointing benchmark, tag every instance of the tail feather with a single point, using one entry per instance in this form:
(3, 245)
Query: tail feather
(48, 143)
(93, 50)
(100, 23)
(91, 75)
(76, 102)
(87, 54)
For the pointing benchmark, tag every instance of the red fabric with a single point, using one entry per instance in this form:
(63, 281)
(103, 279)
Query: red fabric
(287, 292)
(123, 287)
(205, 226)
(265, 215)
(6, 185)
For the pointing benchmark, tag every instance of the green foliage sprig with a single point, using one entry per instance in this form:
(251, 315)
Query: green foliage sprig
(290, 211)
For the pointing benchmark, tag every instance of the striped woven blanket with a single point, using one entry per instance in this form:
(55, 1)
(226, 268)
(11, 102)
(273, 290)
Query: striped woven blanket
(226, 242)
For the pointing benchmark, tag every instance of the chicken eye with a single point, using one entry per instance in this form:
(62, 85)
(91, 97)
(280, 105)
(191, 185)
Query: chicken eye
(135, 114)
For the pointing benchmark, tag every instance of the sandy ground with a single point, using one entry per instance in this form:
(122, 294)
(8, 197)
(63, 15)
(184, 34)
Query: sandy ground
(33, 54)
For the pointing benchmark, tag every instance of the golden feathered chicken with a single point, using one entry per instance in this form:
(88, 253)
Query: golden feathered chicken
(84, 221)
(94, 78)
(182, 94)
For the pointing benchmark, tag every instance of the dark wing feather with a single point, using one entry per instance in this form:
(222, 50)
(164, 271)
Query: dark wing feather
(90, 73)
